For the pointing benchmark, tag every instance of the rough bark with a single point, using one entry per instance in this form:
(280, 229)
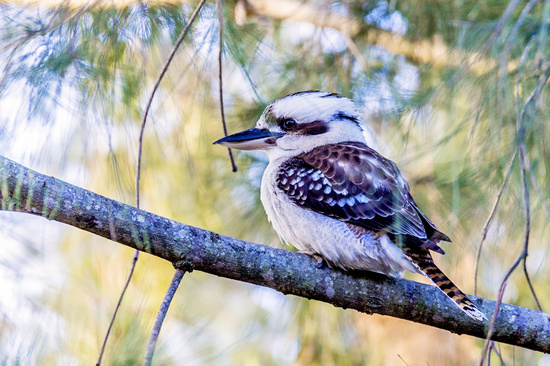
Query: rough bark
(187, 247)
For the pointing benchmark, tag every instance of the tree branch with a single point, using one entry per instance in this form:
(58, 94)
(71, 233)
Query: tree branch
(187, 247)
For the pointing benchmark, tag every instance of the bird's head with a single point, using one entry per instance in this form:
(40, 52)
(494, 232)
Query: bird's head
(298, 123)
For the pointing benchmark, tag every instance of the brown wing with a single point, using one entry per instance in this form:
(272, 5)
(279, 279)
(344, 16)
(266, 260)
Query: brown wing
(353, 183)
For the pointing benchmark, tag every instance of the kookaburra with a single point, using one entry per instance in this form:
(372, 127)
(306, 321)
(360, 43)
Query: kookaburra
(332, 196)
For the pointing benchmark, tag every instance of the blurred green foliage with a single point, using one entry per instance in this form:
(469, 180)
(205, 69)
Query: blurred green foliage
(75, 82)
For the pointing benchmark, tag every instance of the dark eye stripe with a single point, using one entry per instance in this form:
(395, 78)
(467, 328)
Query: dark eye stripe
(312, 128)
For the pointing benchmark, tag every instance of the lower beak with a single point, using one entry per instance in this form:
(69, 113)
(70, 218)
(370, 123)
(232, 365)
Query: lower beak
(253, 139)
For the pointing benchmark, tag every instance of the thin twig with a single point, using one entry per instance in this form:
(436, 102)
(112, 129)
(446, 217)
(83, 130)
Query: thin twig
(401, 358)
(157, 84)
(178, 275)
(136, 255)
(503, 285)
(525, 251)
(523, 154)
(531, 288)
(532, 98)
(497, 308)
(524, 162)
(219, 5)
(490, 218)
(140, 149)
(494, 349)
(489, 351)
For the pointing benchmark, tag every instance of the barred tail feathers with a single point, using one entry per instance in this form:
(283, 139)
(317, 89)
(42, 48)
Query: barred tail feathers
(423, 261)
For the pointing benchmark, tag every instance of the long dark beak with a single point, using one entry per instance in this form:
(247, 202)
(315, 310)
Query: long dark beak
(252, 139)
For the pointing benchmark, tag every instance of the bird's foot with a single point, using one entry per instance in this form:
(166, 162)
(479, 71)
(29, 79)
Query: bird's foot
(321, 262)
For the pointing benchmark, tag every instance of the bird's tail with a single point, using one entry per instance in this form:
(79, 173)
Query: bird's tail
(422, 260)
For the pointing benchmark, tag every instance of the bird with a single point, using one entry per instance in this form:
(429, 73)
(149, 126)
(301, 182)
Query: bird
(332, 196)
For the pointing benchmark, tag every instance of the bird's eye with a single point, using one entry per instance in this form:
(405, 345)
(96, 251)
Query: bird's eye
(288, 124)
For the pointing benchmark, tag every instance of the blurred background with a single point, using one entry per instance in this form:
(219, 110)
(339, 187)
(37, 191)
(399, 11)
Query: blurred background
(442, 87)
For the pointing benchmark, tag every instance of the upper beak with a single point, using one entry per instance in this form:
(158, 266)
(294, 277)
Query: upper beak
(252, 139)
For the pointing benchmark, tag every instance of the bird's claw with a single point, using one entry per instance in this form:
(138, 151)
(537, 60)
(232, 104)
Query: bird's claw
(321, 263)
